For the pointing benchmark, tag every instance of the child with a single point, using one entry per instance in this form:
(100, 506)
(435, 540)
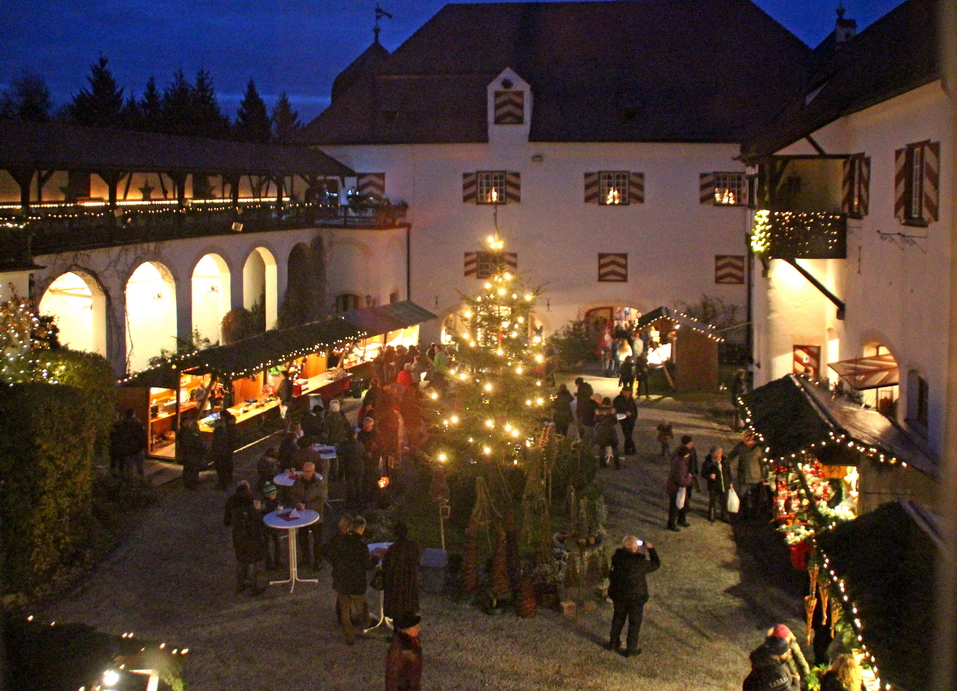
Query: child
(665, 435)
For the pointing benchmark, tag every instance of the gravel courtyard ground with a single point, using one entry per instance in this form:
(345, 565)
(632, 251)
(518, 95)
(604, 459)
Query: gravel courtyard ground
(718, 589)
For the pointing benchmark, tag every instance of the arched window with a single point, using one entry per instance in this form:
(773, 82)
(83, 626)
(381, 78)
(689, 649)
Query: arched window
(918, 398)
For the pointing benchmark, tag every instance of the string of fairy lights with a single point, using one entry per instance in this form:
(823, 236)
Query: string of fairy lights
(798, 233)
(22, 344)
(497, 396)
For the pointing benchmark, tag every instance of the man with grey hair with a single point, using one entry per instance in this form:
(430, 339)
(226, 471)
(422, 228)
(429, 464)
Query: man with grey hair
(309, 492)
(628, 590)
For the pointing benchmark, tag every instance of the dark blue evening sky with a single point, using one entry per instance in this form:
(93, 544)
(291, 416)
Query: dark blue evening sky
(297, 47)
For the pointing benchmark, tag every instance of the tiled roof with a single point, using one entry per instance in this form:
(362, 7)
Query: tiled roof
(62, 147)
(895, 54)
(619, 70)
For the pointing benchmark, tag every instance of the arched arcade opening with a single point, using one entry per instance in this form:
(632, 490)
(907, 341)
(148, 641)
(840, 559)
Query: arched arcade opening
(260, 280)
(211, 296)
(79, 306)
(150, 314)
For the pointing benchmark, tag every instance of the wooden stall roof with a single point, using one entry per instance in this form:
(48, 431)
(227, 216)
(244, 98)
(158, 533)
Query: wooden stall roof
(55, 146)
(662, 313)
(794, 415)
(886, 560)
(385, 318)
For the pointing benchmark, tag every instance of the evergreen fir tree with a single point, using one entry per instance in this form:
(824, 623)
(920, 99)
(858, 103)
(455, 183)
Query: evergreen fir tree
(176, 105)
(285, 121)
(27, 98)
(101, 103)
(150, 107)
(252, 121)
(497, 401)
(209, 120)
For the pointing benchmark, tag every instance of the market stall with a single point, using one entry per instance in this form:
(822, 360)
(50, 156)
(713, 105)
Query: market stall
(688, 343)
(393, 325)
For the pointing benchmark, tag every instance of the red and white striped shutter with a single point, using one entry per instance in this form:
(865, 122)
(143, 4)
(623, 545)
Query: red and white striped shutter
(729, 269)
(371, 185)
(900, 183)
(636, 188)
(509, 107)
(471, 264)
(612, 267)
(591, 188)
(469, 187)
(511, 261)
(706, 188)
(847, 185)
(865, 185)
(931, 204)
(513, 188)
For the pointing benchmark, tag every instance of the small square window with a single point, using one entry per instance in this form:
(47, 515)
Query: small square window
(730, 189)
(491, 187)
(613, 187)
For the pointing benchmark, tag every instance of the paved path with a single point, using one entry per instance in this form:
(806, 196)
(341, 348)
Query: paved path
(173, 579)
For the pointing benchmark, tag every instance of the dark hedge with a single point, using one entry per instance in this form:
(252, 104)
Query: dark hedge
(47, 442)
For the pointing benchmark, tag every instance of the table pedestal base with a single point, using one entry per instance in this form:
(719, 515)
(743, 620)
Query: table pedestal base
(293, 565)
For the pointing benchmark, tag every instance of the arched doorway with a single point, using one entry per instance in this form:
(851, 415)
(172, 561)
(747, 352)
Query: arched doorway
(79, 306)
(300, 297)
(259, 284)
(150, 314)
(211, 296)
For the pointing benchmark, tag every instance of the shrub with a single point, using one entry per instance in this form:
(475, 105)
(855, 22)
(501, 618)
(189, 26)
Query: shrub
(46, 474)
(575, 344)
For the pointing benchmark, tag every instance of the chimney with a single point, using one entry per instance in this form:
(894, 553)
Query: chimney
(844, 29)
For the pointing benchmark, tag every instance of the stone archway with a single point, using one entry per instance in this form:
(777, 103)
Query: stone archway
(150, 314)
(78, 303)
(260, 280)
(211, 296)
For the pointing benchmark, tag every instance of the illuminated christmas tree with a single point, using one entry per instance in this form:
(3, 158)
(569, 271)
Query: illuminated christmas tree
(22, 336)
(496, 401)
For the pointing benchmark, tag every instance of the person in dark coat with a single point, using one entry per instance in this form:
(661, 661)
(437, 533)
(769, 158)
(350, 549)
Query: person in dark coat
(400, 574)
(267, 467)
(225, 441)
(270, 503)
(310, 491)
(561, 410)
(747, 463)
(287, 449)
(626, 374)
(284, 391)
(626, 405)
(350, 460)
(641, 375)
(133, 442)
(403, 663)
(191, 450)
(249, 537)
(717, 474)
(606, 432)
(769, 670)
(350, 561)
(628, 590)
(311, 423)
(679, 476)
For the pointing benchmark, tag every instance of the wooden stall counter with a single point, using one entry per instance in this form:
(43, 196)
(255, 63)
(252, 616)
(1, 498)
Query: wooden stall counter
(328, 384)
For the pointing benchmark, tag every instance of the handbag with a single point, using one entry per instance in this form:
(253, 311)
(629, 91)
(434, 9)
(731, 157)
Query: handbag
(734, 503)
(680, 499)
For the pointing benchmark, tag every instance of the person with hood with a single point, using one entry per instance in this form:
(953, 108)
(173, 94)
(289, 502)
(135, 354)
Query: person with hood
(192, 452)
(680, 476)
(628, 590)
(562, 410)
(797, 663)
(400, 574)
(769, 669)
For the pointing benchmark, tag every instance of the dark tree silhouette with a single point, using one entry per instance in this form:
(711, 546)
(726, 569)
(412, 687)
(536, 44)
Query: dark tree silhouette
(192, 109)
(27, 98)
(252, 121)
(285, 121)
(100, 104)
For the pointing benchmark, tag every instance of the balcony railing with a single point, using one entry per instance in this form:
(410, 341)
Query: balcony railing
(52, 228)
(794, 235)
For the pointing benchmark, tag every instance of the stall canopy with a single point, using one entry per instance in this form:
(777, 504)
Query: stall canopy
(666, 313)
(386, 318)
(870, 372)
(274, 347)
(886, 560)
(793, 415)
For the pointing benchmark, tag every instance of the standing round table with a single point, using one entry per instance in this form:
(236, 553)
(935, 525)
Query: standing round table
(282, 521)
(374, 546)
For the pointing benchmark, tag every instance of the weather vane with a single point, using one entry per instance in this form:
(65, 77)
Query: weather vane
(379, 14)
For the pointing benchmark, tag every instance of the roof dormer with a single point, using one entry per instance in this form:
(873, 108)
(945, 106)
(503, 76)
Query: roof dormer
(509, 108)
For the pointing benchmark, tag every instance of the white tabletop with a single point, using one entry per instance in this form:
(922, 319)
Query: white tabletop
(306, 517)
(283, 480)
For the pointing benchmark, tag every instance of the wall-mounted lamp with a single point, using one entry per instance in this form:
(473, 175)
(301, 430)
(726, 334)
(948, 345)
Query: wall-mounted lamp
(538, 158)
(436, 300)
(213, 288)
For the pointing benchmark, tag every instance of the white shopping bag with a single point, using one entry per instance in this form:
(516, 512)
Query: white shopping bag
(734, 504)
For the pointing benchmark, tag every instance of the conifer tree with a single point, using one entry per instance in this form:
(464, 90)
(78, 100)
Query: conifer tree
(252, 121)
(150, 107)
(100, 104)
(27, 98)
(497, 401)
(285, 121)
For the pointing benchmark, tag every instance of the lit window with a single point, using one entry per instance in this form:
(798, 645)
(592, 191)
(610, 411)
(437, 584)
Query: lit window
(491, 187)
(730, 189)
(613, 187)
